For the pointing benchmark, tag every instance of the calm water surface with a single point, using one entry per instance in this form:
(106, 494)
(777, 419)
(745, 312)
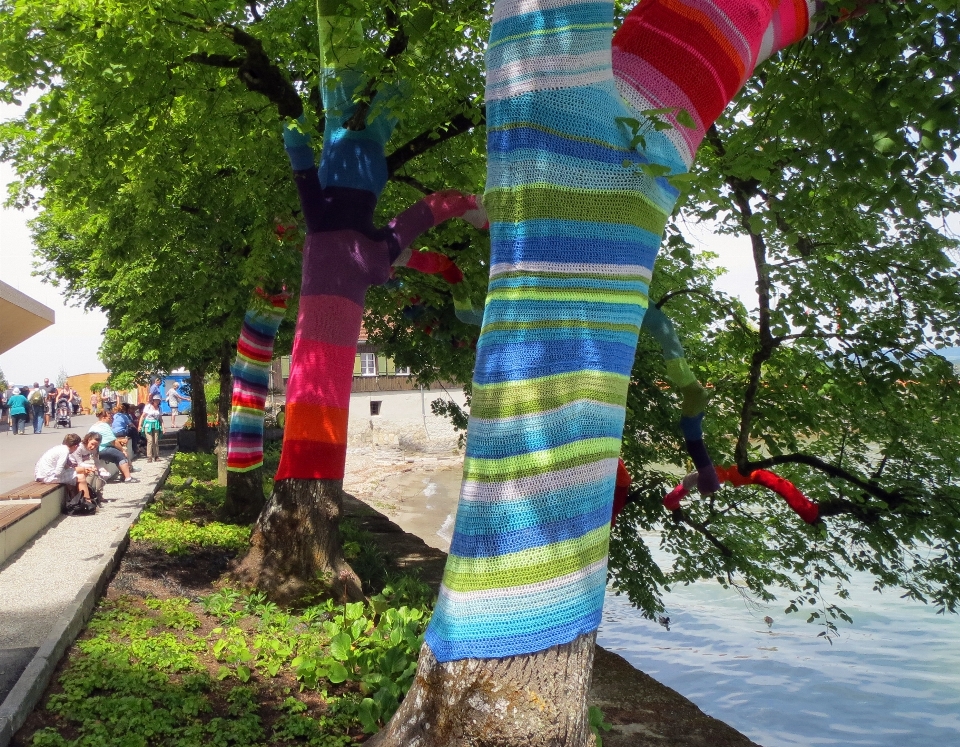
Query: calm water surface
(892, 679)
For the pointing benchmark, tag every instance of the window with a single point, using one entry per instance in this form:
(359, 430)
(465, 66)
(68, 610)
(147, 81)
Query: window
(404, 371)
(368, 364)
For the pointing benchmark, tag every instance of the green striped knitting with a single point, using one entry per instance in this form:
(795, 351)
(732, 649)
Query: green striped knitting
(574, 233)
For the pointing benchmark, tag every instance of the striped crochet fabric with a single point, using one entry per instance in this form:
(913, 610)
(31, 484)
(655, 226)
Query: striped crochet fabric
(575, 224)
(251, 377)
(344, 254)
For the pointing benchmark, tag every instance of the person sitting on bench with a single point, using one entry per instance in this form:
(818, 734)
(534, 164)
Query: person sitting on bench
(55, 467)
(108, 445)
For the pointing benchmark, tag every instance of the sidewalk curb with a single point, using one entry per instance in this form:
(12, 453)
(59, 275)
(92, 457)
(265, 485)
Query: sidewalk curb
(25, 695)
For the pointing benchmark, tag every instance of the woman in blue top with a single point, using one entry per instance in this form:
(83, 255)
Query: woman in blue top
(108, 450)
(18, 412)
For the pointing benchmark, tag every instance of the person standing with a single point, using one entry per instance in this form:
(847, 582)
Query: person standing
(51, 403)
(37, 399)
(108, 399)
(94, 401)
(155, 388)
(151, 426)
(18, 412)
(173, 400)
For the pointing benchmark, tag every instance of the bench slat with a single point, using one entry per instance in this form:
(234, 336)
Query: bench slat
(10, 515)
(30, 490)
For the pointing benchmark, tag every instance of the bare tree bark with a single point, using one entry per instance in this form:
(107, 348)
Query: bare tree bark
(198, 408)
(296, 551)
(223, 413)
(537, 700)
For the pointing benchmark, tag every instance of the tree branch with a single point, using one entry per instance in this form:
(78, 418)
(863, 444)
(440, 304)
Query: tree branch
(457, 125)
(893, 500)
(415, 183)
(215, 60)
(680, 517)
(257, 71)
(396, 46)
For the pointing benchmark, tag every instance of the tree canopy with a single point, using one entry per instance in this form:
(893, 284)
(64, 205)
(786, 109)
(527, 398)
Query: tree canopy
(161, 180)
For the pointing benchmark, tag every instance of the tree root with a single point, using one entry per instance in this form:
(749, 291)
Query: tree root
(535, 700)
(296, 551)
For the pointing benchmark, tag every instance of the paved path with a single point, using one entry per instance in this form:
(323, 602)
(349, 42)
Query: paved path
(43, 579)
(19, 454)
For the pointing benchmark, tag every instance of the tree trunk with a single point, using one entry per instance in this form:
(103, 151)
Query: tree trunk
(535, 700)
(296, 552)
(241, 439)
(245, 497)
(223, 415)
(198, 409)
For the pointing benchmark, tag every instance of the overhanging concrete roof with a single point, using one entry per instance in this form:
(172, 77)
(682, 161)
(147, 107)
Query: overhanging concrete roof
(20, 317)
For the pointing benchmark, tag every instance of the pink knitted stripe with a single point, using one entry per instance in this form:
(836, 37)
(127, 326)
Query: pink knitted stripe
(321, 319)
(330, 376)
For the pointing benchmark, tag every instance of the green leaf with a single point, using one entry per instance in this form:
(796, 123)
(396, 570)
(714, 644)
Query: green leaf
(337, 673)
(341, 646)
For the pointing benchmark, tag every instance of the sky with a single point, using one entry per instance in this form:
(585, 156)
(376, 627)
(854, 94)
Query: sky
(72, 342)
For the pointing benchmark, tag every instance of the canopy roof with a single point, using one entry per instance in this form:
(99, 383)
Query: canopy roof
(20, 317)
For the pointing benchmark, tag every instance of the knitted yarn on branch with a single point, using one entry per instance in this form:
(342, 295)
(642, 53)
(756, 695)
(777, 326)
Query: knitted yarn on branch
(797, 501)
(251, 378)
(344, 253)
(576, 223)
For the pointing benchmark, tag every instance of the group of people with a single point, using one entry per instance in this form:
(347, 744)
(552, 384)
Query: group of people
(79, 461)
(38, 405)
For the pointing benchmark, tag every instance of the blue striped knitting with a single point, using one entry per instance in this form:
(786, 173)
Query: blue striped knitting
(574, 236)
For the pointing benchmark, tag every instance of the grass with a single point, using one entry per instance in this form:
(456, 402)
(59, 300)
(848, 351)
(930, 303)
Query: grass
(229, 667)
(185, 514)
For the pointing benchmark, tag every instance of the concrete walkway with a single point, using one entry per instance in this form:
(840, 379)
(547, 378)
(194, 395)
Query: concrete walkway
(19, 454)
(48, 588)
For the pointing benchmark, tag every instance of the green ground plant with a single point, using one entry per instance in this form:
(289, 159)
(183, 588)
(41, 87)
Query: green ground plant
(184, 515)
(231, 668)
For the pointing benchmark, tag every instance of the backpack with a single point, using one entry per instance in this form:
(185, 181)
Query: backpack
(36, 397)
(77, 505)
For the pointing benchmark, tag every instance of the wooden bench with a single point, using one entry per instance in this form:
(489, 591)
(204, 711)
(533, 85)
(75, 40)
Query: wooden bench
(30, 490)
(25, 511)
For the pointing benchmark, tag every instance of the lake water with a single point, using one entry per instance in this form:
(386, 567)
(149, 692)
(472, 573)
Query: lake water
(892, 679)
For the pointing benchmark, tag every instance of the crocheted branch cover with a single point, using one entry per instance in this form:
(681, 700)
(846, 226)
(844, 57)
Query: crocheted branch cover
(797, 501)
(575, 224)
(251, 377)
(344, 253)
(694, 395)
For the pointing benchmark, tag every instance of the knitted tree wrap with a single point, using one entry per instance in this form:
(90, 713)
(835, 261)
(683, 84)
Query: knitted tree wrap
(251, 377)
(576, 223)
(343, 255)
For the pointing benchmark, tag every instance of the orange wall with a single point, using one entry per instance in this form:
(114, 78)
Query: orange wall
(83, 382)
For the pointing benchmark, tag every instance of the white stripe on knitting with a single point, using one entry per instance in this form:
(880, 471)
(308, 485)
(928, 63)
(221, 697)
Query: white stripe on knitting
(549, 83)
(520, 489)
(680, 140)
(516, 591)
(551, 63)
(571, 268)
(592, 403)
(505, 9)
(238, 450)
(766, 46)
(404, 257)
(729, 28)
